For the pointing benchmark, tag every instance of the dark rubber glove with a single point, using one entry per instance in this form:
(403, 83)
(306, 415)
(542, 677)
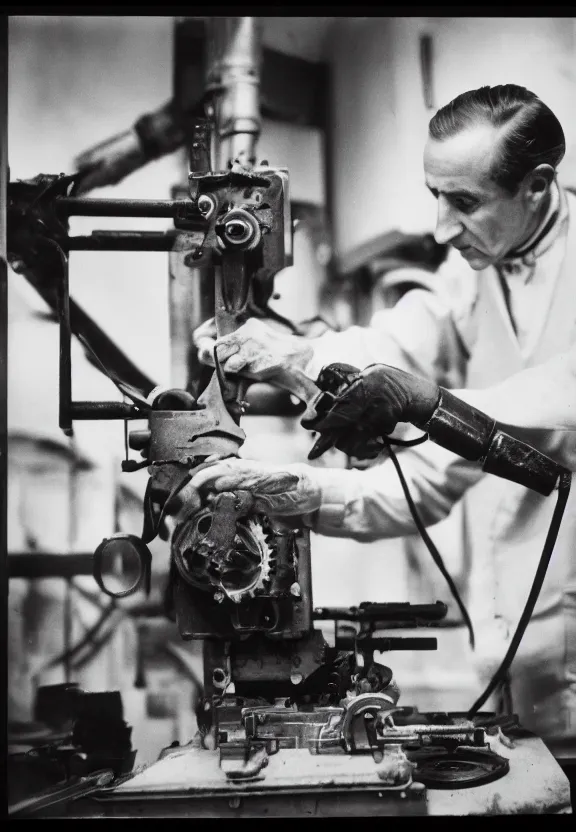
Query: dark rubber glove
(369, 404)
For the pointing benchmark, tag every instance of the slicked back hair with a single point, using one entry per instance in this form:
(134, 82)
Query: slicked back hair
(531, 133)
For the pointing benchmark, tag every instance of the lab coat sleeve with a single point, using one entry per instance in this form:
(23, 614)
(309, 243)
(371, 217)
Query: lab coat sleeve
(541, 397)
(370, 505)
(418, 335)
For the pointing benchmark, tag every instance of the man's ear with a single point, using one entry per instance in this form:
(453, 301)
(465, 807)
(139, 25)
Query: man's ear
(539, 182)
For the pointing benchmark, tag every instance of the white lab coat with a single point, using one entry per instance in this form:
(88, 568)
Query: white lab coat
(538, 398)
(460, 334)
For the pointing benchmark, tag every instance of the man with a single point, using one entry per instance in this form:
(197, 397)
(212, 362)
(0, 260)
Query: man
(503, 302)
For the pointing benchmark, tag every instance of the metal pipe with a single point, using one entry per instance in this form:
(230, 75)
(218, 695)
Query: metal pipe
(49, 565)
(3, 307)
(65, 375)
(152, 136)
(122, 241)
(83, 207)
(104, 410)
(386, 644)
(389, 612)
(233, 68)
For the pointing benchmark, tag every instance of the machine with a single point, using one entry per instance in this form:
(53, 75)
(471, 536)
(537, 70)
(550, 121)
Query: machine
(285, 709)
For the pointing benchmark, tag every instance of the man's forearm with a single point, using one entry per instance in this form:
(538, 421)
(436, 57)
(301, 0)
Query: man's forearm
(371, 505)
(416, 335)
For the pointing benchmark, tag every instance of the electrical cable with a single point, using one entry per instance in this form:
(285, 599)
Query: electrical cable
(436, 556)
(500, 675)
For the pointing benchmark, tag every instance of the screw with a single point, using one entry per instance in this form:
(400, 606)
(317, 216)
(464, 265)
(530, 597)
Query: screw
(204, 204)
(191, 257)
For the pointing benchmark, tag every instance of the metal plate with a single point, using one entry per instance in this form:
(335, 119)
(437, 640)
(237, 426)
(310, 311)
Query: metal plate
(460, 769)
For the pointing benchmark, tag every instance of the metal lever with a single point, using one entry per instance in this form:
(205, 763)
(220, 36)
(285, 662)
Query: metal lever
(71, 790)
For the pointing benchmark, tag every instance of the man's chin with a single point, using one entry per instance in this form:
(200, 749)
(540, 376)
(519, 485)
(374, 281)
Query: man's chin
(475, 259)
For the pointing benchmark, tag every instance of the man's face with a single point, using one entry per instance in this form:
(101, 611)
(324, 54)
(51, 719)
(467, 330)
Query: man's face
(475, 215)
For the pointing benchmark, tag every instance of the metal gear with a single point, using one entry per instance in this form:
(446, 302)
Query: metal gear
(241, 573)
(254, 530)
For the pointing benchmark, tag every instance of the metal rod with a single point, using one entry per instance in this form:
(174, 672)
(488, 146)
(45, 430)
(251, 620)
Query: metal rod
(3, 335)
(65, 383)
(84, 207)
(122, 241)
(107, 353)
(105, 410)
(386, 644)
(383, 612)
(49, 565)
(63, 792)
(67, 626)
(401, 643)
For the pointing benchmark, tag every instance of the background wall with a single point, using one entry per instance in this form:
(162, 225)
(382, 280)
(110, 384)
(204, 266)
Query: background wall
(380, 117)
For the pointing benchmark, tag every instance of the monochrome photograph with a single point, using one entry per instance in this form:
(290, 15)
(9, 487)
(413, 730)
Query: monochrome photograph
(288, 451)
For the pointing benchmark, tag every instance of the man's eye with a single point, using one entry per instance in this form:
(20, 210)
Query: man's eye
(464, 205)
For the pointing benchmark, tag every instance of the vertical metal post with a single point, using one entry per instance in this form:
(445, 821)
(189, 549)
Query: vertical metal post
(191, 289)
(3, 357)
(65, 380)
(233, 67)
(68, 610)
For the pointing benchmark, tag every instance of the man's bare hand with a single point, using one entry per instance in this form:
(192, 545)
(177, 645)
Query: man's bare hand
(256, 350)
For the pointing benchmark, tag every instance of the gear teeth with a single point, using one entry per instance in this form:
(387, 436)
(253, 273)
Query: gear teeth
(255, 529)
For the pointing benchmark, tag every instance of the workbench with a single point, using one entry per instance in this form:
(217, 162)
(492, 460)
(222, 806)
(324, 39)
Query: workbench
(535, 784)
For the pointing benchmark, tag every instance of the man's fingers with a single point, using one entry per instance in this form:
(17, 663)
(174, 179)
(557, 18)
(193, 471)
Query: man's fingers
(208, 476)
(242, 475)
(235, 363)
(205, 330)
(188, 497)
(205, 347)
(226, 346)
(341, 416)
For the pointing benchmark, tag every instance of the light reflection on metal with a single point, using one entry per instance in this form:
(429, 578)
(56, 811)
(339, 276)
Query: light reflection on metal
(233, 67)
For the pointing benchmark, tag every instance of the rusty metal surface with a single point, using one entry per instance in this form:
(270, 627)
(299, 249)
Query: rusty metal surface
(290, 770)
(298, 787)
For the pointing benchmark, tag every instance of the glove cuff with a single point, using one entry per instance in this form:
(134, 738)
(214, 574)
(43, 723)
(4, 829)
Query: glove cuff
(514, 460)
(459, 427)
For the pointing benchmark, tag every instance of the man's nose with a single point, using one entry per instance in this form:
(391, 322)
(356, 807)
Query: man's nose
(448, 226)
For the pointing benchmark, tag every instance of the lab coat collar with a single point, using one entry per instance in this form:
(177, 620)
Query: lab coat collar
(522, 262)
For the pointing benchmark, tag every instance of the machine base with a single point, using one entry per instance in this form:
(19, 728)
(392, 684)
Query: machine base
(189, 783)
